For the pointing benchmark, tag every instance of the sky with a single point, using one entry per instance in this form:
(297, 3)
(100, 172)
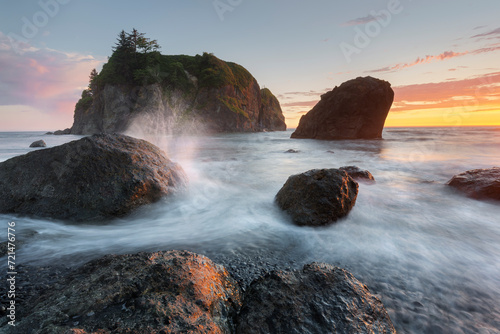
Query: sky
(442, 57)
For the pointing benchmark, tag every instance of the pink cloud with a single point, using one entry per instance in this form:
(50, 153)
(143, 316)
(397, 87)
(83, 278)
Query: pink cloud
(40, 68)
(421, 60)
(477, 91)
(49, 80)
(495, 32)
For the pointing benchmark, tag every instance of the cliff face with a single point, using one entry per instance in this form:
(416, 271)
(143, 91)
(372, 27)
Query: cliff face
(234, 104)
(270, 114)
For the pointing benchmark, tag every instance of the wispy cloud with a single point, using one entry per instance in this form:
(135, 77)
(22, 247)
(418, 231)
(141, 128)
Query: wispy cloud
(489, 33)
(420, 60)
(358, 21)
(310, 104)
(481, 92)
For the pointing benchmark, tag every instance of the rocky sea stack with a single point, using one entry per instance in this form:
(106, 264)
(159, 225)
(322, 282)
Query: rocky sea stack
(139, 83)
(318, 197)
(357, 109)
(94, 178)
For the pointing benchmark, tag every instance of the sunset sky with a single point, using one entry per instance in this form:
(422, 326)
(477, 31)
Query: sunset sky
(442, 57)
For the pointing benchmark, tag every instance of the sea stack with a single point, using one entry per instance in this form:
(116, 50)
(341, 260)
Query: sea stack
(357, 109)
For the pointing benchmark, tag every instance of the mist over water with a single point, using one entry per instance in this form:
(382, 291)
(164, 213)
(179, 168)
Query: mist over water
(431, 254)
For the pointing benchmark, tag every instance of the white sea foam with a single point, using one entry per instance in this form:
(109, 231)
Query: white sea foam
(431, 254)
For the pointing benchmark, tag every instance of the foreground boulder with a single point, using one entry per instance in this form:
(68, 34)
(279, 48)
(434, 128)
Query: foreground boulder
(163, 292)
(478, 183)
(358, 174)
(318, 299)
(38, 143)
(318, 197)
(357, 109)
(93, 178)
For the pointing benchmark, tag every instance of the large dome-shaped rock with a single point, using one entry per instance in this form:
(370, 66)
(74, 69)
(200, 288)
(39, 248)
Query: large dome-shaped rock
(478, 183)
(93, 178)
(163, 292)
(355, 110)
(318, 299)
(318, 197)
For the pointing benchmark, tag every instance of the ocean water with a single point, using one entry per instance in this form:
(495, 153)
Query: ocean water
(429, 253)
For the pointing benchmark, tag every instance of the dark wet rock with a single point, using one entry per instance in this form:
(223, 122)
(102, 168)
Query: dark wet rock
(163, 292)
(320, 298)
(62, 132)
(358, 174)
(318, 197)
(292, 151)
(49, 133)
(357, 109)
(482, 184)
(94, 178)
(38, 143)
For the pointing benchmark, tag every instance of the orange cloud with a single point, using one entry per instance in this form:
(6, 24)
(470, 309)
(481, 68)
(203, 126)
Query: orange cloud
(421, 60)
(481, 92)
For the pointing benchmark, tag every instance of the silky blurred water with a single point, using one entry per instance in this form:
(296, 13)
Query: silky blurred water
(431, 254)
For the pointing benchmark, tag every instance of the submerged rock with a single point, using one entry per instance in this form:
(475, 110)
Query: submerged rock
(358, 174)
(478, 183)
(38, 143)
(357, 109)
(93, 178)
(318, 197)
(320, 298)
(163, 292)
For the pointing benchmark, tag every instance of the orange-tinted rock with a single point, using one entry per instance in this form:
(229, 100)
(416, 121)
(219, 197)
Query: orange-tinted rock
(478, 183)
(173, 292)
(357, 109)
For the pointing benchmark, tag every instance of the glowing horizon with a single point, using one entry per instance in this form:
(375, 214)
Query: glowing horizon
(441, 77)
